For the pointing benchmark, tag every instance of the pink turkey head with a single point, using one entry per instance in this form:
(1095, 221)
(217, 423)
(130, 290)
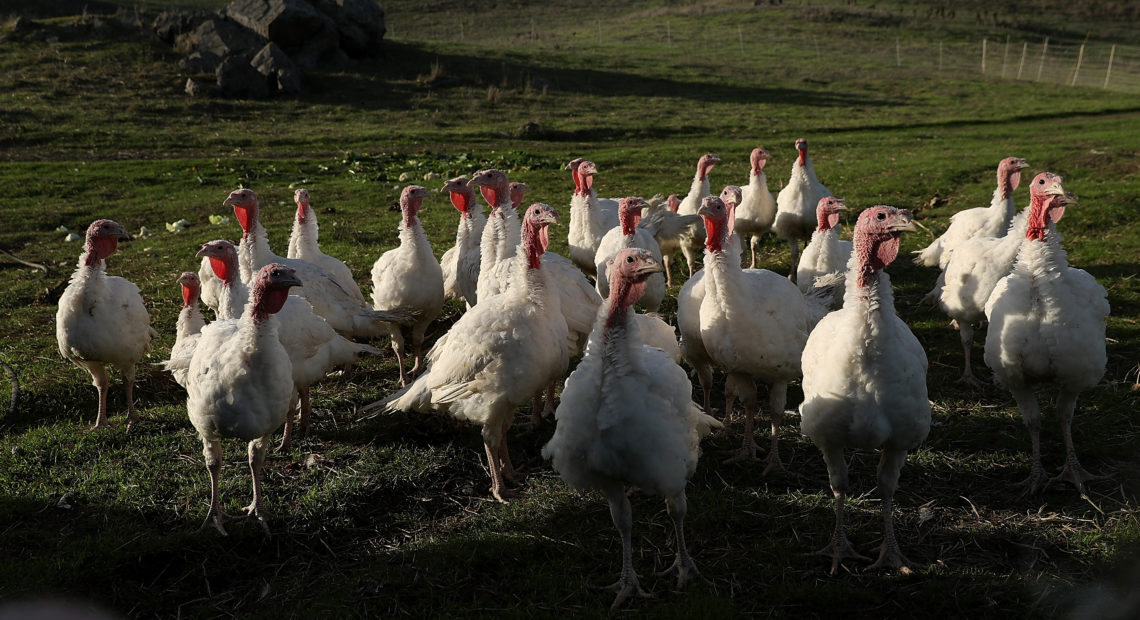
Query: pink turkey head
(877, 235)
(517, 189)
(573, 168)
(494, 186)
(629, 214)
(705, 165)
(674, 202)
(586, 171)
(301, 197)
(827, 212)
(536, 231)
(801, 147)
(731, 195)
(191, 287)
(245, 205)
(759, 158)
(411, 201)
(271, 289)
(460, 193)
(1047, 202)
(223, 258)
(103, 239)
(1009, 174)
(715, 214)
(628, 271)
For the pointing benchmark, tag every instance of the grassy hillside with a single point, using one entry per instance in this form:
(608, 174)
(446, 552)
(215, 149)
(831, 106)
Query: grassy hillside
(391, 514)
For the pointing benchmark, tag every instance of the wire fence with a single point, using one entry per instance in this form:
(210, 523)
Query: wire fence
(1090, 65)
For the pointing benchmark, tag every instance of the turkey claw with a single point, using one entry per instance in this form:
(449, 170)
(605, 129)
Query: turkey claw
(625, 588)
(216, 518)
(686, 570)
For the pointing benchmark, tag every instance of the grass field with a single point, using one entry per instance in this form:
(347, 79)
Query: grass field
(391, 515)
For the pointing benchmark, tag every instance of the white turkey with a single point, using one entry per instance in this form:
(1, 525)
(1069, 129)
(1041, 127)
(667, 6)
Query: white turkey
(409, 277)
(865, 380)
(627, 418)
(590, 217)
(502, 233)
(188, 329)
(313, 346)
(499, 354)
(329, 299)
(826, 253)
(460, 263)
(101, 320)
(991, 221)
(668, 228)
(240, 384)
(303, 244)
(518, 191)
(767, 307)
(629, 235)
(757, 208)
(1046, 328)
(694, 237)
(796, 204)
(975, 268)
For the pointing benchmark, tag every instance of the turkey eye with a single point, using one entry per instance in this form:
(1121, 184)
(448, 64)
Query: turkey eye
(629, 259)
(1041, 182)
(882, 216)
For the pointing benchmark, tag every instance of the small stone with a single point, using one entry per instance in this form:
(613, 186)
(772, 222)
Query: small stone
(193, 88)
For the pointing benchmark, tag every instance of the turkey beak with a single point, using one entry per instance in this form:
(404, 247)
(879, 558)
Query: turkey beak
(840, 205)
(903, 223)
(288, 279)
(650, 267)
(704, 211)
(549, 217)
(1020, 164)
(1056, 188)
(1068, 198)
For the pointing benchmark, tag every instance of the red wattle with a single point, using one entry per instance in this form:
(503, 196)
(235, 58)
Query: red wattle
(245, 217)
(490, 195)
(221, 269)
(459, 201)
(189, 295)
(272, 301)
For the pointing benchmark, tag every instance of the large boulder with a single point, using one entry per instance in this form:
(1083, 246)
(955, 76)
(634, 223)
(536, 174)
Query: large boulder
(168, 25)
(238, 78)
(215, 40)
(274, 63)
(359, 23)
(305, 33)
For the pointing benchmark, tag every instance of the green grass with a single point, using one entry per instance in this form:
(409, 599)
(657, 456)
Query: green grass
(391, 514)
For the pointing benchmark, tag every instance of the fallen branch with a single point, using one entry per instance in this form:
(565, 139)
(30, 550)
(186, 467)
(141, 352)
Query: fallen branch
(22, 261)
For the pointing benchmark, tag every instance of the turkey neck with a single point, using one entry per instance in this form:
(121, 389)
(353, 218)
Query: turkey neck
(866, 282)
(623, 293)
(253, 251)
(304, 239)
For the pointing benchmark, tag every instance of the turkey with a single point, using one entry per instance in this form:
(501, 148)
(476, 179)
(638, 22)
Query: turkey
(991, 221)
(668, 227)
(1047, 328)
(796, 204)
(499, 354)
(694, 237)
(627, 418)
(731, 196)
(460, 263)
(517, 190)
(409, 277)
(330, 300)
(730, 301)
(101, 320)
(303, 245)
(590, 218)
(757, 208)
(974, 269)
(826, 253)
(240, 384)
(629, 235)
(865, 380)
(313, 346)
(188, 330)
(502, 232)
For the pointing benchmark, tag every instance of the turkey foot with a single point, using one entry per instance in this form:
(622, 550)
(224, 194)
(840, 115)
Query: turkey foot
(626, 587)
(685, 569)
(840, 549)
(1073, 472)
(253, 510)
(889, 555)
(1037, 480)
(773, 463)
(747, 452)
(216, 517)
(972, 380)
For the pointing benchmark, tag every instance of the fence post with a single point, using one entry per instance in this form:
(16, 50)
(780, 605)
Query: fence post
(983, 55)
(940, 55)
(1041, 65)
(1077, 69)
(1005, 56)
(1108, 72)
(1021, 65)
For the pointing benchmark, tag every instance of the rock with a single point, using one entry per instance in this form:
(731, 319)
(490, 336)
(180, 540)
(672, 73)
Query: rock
(216, 39)
(359, 24)
(288, 23)
(169, 24)
(274, 63)
(23, 24)
(238, 78)
(193, 88)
